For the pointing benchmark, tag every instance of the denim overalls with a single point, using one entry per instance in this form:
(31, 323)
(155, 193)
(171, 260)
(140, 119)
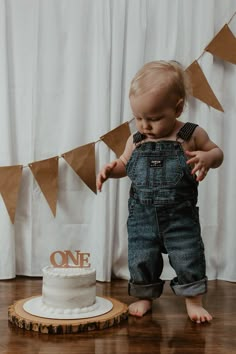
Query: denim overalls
(163, 218)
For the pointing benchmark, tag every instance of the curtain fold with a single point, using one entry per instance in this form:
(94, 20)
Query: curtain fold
(65, 72)
(7, 245)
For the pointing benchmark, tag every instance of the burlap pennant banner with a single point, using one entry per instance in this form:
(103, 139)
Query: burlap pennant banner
(46, 174)
(10, 178)
(116, 138)
(82, 160)
(223, 45)
(201, 88)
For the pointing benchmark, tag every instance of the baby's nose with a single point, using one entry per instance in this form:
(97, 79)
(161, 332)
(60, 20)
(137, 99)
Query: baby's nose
(146, 124)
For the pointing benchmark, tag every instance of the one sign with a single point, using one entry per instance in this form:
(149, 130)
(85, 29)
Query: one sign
(66, 259)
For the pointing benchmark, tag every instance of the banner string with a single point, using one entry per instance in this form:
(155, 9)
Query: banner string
(231, 18)
(204, 51)
(201, 55)
(95, 142)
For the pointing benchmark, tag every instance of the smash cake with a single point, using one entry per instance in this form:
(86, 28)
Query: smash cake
(68, 302)
(68, 290)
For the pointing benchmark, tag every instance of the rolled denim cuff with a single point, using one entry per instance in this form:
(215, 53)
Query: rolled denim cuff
(192, 289)
(146, 291)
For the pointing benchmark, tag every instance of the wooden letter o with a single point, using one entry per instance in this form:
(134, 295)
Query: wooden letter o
(63, 259)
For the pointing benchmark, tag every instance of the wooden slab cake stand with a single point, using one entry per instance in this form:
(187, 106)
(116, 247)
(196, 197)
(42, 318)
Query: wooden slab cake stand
(19, 317)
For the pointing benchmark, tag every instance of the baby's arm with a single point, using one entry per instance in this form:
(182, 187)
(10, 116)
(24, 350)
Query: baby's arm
(206, 155)
(116, 168)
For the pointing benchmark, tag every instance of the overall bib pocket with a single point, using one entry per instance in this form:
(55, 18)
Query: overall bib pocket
(155, 170)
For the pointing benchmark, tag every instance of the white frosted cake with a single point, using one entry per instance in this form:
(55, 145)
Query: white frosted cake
(69, 290)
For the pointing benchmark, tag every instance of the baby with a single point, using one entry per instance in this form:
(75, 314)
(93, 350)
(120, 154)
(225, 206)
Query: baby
(165, 159)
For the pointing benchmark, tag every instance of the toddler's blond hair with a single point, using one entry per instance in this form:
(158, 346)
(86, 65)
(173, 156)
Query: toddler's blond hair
(160, 74)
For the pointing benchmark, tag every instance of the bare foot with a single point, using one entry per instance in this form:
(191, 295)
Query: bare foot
(139, 308)
(196, 311)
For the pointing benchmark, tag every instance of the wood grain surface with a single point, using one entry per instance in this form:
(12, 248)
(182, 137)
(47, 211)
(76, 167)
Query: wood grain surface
(165, 330)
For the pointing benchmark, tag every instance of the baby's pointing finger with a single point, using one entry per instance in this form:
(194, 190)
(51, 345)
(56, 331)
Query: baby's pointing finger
(99, 184)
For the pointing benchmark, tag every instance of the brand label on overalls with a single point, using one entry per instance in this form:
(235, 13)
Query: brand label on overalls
(156, 163)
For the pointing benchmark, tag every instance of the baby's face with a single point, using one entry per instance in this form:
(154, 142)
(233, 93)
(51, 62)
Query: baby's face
(155, 113)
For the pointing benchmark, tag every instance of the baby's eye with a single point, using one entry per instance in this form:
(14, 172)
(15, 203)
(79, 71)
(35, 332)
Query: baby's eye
(154, 119)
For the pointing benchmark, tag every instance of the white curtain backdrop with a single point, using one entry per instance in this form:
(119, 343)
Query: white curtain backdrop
(65, 70)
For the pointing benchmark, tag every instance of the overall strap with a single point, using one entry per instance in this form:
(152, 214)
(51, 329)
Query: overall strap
(186, 131)
(137, 137)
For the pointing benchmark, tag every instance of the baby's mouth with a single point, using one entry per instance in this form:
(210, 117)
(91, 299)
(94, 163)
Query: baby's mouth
(149, 135)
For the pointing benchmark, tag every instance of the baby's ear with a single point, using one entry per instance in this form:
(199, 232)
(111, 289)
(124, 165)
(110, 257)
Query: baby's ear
(179, 107)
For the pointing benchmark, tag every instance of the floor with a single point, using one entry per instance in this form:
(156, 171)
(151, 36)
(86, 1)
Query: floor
(165, 330)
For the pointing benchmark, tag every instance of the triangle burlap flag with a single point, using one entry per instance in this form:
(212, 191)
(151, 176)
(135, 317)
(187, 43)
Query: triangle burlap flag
(46, 174)
(116, 138)
(223, 45)
(200, 86)
(10, 178)
(82, 160)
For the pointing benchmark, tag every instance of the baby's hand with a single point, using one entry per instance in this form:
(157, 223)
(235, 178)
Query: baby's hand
(201, 162)
(104, 174)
